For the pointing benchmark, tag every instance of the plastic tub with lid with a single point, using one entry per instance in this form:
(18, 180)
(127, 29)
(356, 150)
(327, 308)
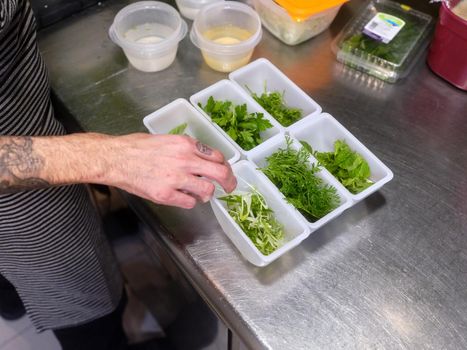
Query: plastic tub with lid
(149, 33)
(448, 51)
(384, 40)
(190, 8)
(226, 33)
(295, 21)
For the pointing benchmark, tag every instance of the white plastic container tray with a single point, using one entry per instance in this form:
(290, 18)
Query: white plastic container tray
(258, 157)
(226, 90)
(319, 130)
(295, 227)
(262, 74)
(180, 111)
(322, 131)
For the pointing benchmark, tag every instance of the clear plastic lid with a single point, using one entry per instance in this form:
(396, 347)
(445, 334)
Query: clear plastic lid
(384, 40)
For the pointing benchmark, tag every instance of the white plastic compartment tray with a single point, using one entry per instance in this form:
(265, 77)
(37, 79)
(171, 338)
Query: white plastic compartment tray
(295, 227)
(226, 90)
(321, 133)
(262, 73)
(181, 111)
(258, 157)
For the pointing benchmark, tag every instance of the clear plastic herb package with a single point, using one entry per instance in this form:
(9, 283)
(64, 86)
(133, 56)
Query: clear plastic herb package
(384, 40)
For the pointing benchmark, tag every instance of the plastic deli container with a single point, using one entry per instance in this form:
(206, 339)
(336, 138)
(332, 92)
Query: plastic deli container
(190, 8)
(321, 133)
(226, 90)
(149, 33)
(384, 40)
(180, 112)
(295, 21)
(295, 228)
(261, 75)
(448, 51)
(226, 33)
(259, 155)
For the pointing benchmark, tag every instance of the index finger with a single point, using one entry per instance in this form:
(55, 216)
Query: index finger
(221, 173)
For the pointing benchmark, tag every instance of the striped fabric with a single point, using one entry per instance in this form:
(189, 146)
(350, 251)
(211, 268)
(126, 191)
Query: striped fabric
(51, 244)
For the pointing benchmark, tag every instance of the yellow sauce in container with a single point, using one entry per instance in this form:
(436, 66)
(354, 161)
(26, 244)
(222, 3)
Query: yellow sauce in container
(228, 36)
(226, 33)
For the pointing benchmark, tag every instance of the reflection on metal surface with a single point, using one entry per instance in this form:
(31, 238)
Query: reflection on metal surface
(355, 79)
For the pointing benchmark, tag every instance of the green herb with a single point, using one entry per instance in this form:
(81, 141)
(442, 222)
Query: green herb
(178, 130)
(273, 103)
(243, 127)
(256, 219)
(396, 50)
(349, 167)
(292, 173)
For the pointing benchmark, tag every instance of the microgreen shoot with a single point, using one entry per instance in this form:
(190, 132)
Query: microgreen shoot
(251, 212)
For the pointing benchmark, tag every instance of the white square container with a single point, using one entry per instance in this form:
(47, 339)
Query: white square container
(321, 133)
(226, 90)
(181, 111)
(295, 227)
(259, 156)
(262, 73)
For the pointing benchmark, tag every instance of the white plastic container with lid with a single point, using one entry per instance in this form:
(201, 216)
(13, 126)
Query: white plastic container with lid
(181, 111)
(149, 33)
(226, 33)
(298, 25)
(295, 228)
(322, 131)
(190, 8)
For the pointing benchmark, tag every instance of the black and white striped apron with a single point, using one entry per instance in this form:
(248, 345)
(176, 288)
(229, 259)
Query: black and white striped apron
(51, 243)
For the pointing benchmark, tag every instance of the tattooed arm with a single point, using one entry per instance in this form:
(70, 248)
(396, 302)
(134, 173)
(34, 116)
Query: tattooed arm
(19, 165)
(166, 169)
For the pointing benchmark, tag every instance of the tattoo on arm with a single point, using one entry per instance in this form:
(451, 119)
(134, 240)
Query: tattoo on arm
(20, 166)
(203, 148)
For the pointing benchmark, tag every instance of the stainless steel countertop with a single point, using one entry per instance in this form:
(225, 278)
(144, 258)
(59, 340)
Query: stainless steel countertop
(390, 273)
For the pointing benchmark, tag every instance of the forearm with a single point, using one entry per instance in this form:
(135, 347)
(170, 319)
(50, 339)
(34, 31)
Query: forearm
(167, 169)
(36, 162)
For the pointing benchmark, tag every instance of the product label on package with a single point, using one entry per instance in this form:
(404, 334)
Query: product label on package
(383, 27)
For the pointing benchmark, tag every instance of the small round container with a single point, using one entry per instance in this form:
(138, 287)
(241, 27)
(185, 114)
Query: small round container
(226, 33)
(190, 8)
(149, 33)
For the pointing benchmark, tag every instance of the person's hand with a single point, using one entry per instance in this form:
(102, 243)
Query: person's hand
(167, 169)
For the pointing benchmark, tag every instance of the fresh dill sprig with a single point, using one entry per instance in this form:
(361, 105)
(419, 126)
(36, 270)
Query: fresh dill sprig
(292, 173)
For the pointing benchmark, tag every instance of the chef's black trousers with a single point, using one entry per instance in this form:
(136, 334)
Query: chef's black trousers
(105, 333)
